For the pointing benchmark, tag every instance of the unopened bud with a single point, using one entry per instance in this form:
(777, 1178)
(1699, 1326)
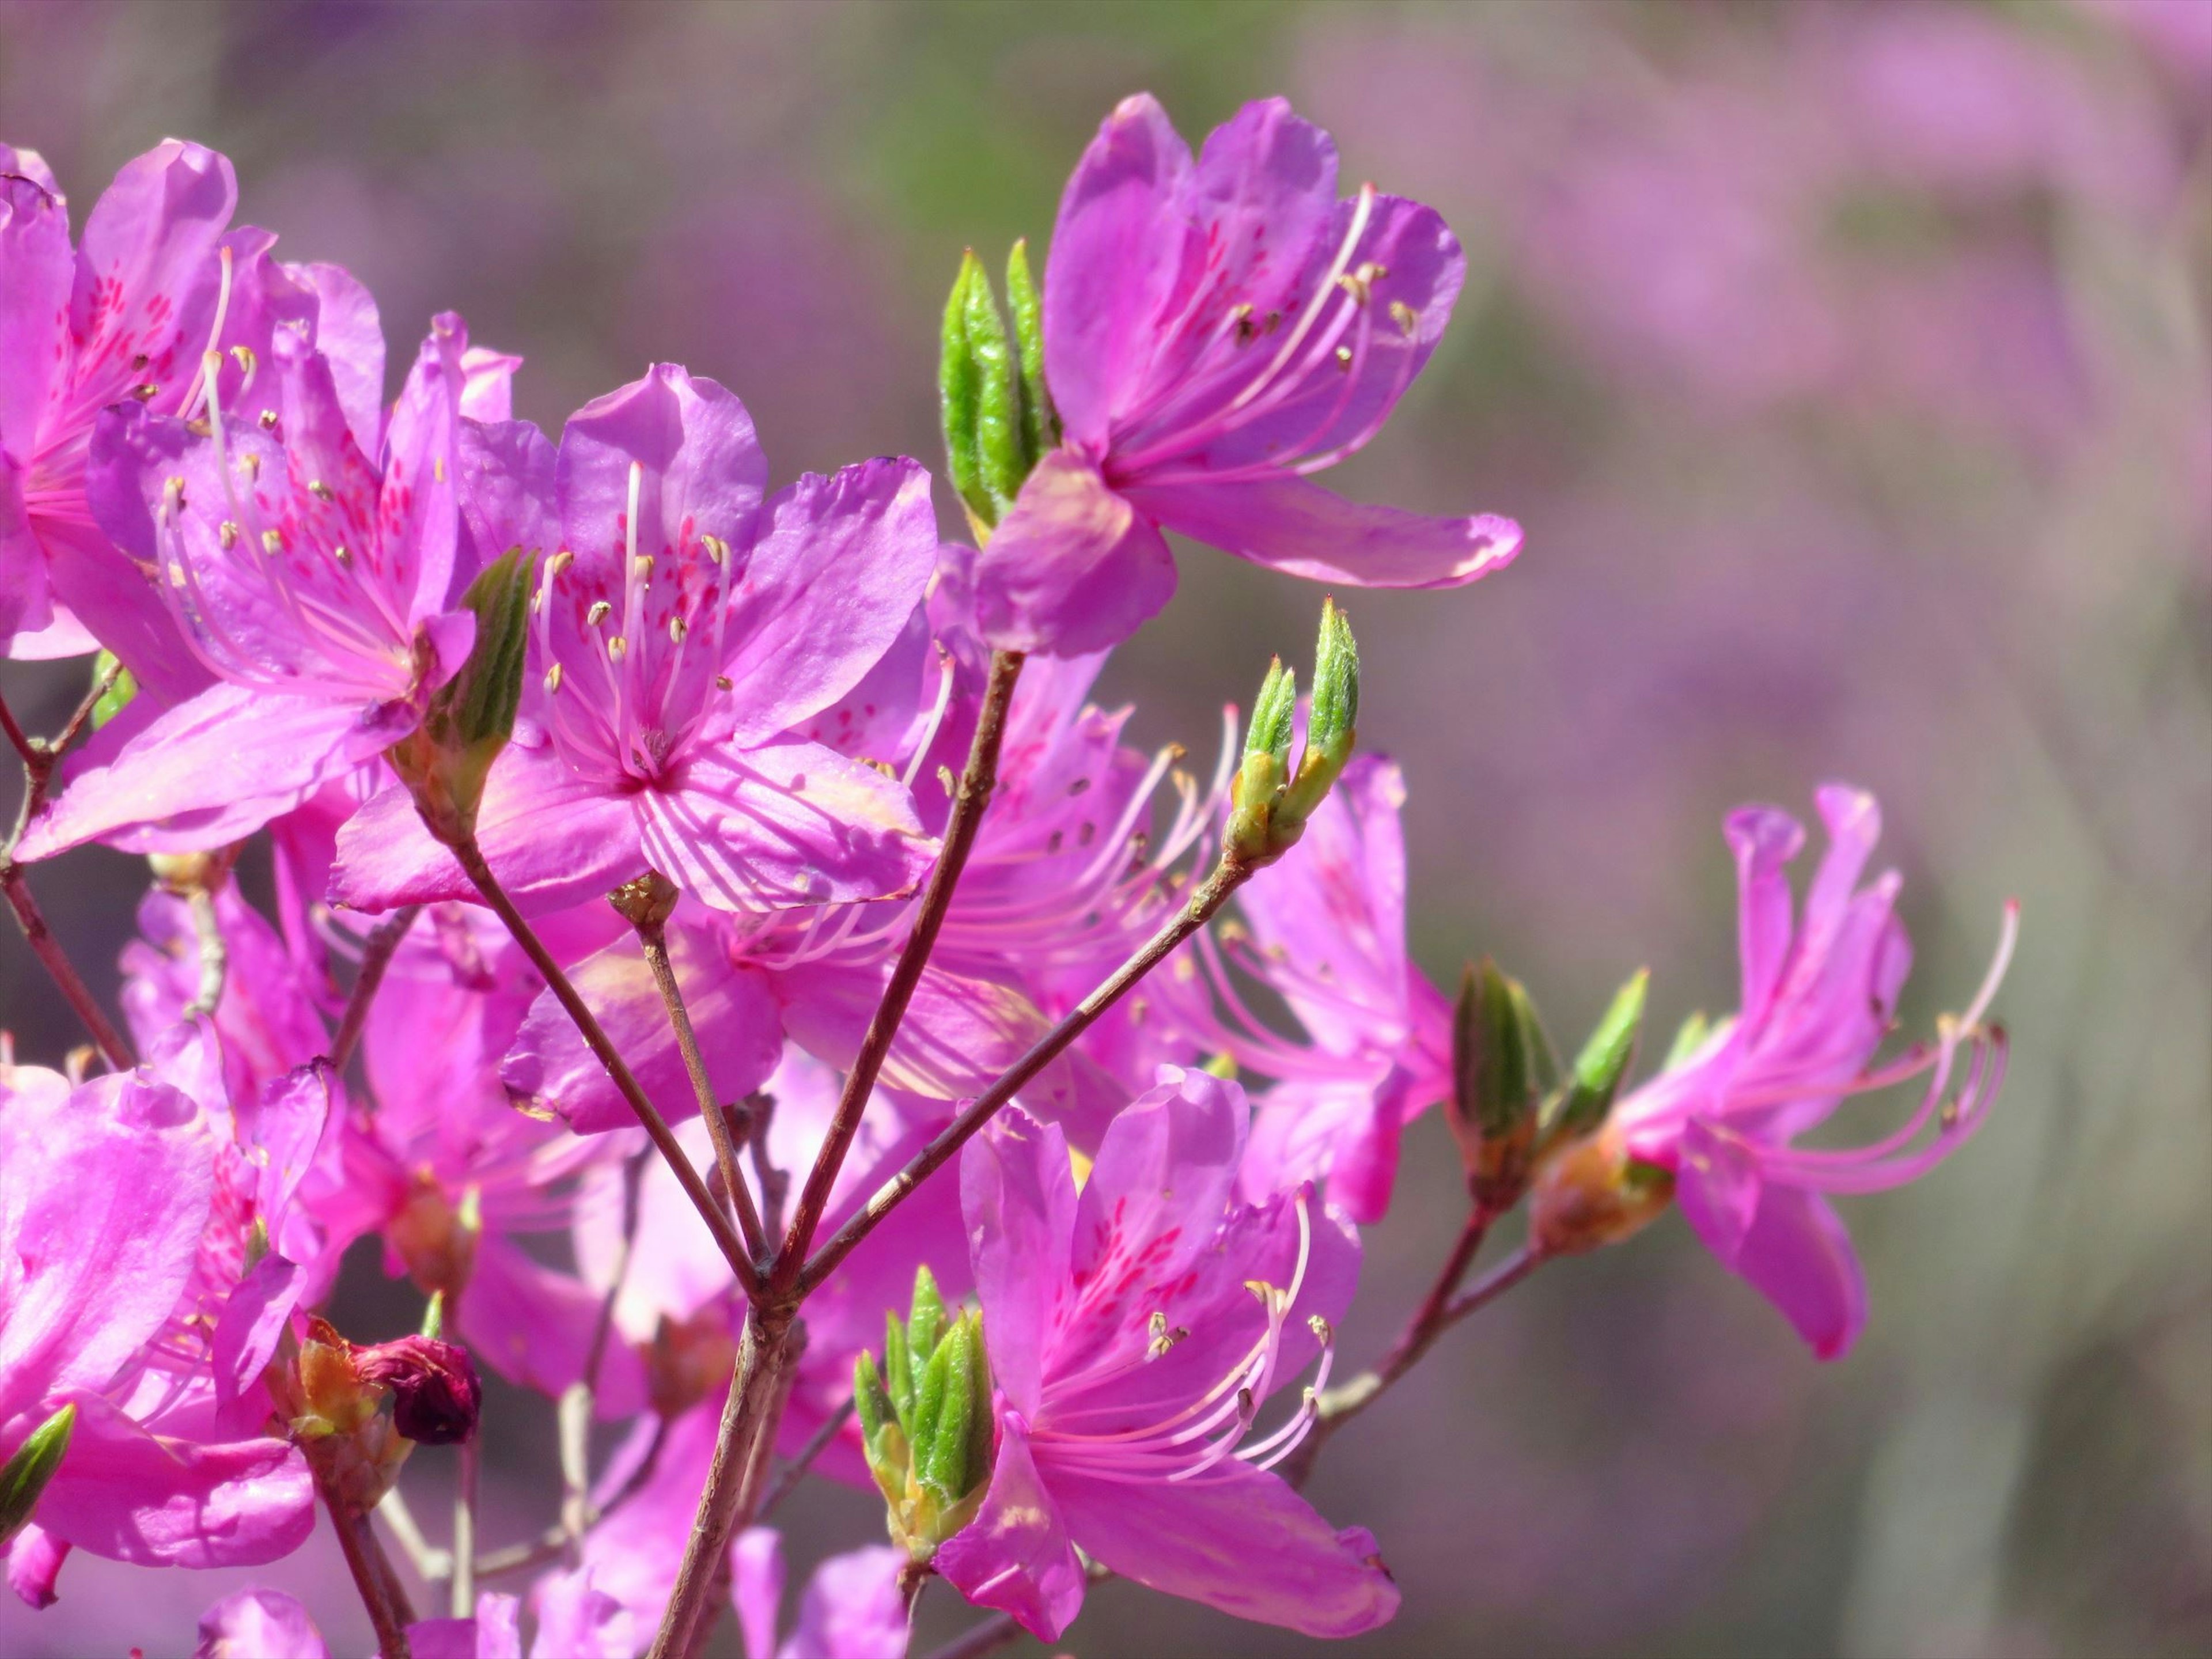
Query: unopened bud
(445, 760)
(925, 1421)
(344, 1422)
(1592, 1194)
(1040, 420)
(647, 903)
(1599, 1069)
(1502, 1069)
(980, 399)
(435, 1393)
(24, 1478)
(1269, 800)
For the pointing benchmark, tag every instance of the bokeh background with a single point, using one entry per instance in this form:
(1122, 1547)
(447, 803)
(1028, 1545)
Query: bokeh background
(1848, 366)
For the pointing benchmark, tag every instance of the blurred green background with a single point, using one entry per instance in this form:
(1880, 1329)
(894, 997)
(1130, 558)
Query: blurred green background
(1847, 365)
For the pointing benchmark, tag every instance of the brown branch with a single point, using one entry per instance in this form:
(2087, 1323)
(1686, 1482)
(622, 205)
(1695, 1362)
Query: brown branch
(372, 1575)
(656, 1127)
(977, 781)
(1226, 877)
(763, 1354)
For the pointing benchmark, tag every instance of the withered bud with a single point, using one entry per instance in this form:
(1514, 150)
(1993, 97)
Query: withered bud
(435, 1395)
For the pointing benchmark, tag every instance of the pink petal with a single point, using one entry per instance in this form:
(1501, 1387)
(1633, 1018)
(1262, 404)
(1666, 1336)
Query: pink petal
(1016, 1554)
(1072, 568)
(37, 267)
(1765, 839)
(1117, 248)
(1719, 1186)
(852, 1609)
(1799, 1257)
(111, 1188)
(250, 1324)
(349, 333)
(704, 471)
(258, 1624)
(756, 1588)
(1018, 1196)
(828, 588)
(1303, 530)
(209, 772)
(131, 1496)
(578, 1620)
(740, 1027)
(781, 826)
(1234, 1538)
(34, 1562)
(534, 1326)
(551, 838)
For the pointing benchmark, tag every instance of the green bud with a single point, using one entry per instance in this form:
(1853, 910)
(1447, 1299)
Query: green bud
(1331, 723)
(1502, 1069)
(925, 1421)
(980, 398)
(959, 395)
(117, 698)
(925, 1324)
(24, 1479)
(1603, 1062)
(1270, 802)
(445, 760)
(1040, 421)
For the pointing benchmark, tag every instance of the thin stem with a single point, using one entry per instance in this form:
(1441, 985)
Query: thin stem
(656, 1127)
(1428, 1320)
(371, 1575)
(763, 1354)
(465, 1529)
(1340, 1405)
(1226, 877)
(788, 1477)
(653, 936)
(48, 950)
(977, 781)
(82, 712)
(376, 954)
(36, 760)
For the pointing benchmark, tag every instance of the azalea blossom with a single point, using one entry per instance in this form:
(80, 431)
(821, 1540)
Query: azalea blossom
(1216, 329)
(1818, 998)
(158, 305)
(1135, 1330)
(1326, 931)
(680, 629)
(311, 585)
(123, 1212)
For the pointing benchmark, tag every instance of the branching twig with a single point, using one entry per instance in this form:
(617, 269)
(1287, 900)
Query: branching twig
(372, 1575)
(554, 1541)
(653, 935)
(1227, 876)
(977, 779)
(656, 1127)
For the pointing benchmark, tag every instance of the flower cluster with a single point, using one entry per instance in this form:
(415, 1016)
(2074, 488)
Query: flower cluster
(707, 917)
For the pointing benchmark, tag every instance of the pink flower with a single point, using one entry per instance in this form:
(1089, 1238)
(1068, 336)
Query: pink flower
(311, 584)
(119, 1202)
(125, 317)
(1216, 331)
(680, 630)
(1134, 1332)
(1818, 999)
(1325, 929)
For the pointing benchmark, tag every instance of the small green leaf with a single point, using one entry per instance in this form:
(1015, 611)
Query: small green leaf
(24, 1479)
(1332, 723)
(1040, 421)
(943, 1468)
(1603, 1062)
(959, 393)
(925, 1325)
(933, 1391)
(898, 1371)
(998, 399)
(1275, 712)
